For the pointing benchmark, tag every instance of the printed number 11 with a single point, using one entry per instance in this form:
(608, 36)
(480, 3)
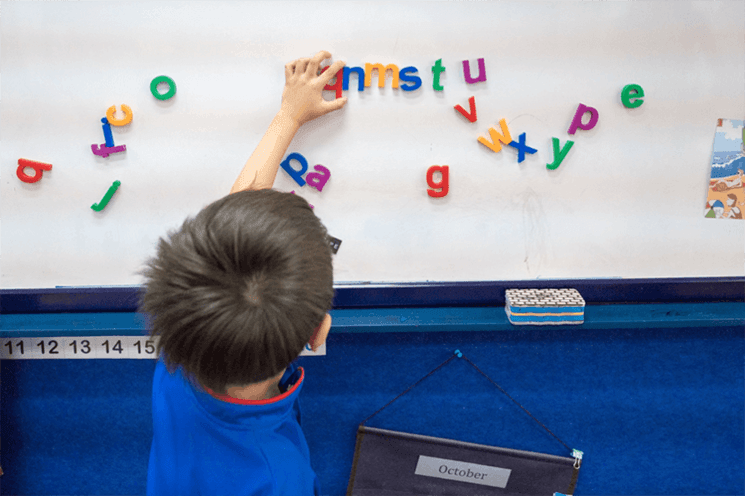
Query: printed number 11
(10, 347)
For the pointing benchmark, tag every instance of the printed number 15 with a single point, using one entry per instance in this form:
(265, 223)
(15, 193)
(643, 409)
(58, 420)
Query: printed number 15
(149, 348)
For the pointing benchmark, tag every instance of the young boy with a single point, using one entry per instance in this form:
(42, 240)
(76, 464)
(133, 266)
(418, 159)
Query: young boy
(234, 296)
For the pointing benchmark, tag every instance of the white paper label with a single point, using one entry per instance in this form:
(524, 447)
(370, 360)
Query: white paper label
(462, 471)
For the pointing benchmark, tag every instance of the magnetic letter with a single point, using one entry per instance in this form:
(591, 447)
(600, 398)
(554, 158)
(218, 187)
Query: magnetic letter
(105, 201)
(632, 100)
(318, 179)
(414, 81)
(162, 79)
(436, 70)
(119, 122)
(442, 185)
(381, 74)
(360, 77)
(107, 133)
(577, 121)
(337, 84)
(39, 168)
(467, 72)
(296, 175)
(559, 153)
(496, 137)
(522, 148)
(471, 114)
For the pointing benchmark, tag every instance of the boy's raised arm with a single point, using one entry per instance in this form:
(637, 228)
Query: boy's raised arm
(302, 101)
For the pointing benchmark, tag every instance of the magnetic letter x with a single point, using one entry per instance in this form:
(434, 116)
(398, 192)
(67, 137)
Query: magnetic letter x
(522, 148)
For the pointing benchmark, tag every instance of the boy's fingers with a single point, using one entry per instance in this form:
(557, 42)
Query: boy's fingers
(301, 65)
(329, 74)
(316, 60)
(320, 57)
(330, 106)
(289, 69)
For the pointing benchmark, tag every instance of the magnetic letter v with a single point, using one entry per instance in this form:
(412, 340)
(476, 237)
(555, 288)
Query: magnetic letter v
(471, 114)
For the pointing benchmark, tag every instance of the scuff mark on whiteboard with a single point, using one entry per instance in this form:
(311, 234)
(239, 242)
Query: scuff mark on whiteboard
(535, 232)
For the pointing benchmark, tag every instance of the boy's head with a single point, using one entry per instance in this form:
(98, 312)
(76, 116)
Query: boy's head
(238, 290)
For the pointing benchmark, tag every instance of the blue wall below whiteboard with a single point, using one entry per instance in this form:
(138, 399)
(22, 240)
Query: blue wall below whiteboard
(656, 410)
(651, 387)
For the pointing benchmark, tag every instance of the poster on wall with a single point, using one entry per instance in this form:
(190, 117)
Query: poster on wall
(726, 195)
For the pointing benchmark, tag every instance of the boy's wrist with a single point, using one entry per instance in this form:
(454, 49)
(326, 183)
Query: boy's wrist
(287, 121)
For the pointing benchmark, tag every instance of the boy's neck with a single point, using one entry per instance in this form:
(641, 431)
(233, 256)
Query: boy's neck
(258, 391)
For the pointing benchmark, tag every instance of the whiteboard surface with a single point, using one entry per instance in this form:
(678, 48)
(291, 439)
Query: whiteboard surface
(627, 201)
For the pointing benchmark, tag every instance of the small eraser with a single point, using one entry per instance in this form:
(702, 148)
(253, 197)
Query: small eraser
(544, 298)
(544, 306)
(335, 243)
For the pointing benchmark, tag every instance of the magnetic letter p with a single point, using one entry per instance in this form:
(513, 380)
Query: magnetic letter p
(442, 185)
(296, 175)
(577, 121)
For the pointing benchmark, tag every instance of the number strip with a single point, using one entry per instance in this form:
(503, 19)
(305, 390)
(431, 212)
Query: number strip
(86, 347)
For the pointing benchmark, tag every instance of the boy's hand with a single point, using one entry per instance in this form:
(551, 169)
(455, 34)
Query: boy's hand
(302, 99)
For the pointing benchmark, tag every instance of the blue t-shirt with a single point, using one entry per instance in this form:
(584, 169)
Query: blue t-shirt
(216, 445)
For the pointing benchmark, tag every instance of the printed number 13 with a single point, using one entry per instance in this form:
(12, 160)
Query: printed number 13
(85, 347)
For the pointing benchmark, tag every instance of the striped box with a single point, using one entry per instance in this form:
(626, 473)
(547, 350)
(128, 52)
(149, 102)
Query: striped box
(544, 306)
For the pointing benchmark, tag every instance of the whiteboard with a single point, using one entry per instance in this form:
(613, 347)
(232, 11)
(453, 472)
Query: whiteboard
(627, 201)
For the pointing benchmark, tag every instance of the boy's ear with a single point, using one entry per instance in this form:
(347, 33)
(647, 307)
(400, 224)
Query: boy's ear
(320, 334)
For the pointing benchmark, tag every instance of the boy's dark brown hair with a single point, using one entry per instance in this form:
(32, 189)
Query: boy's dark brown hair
(236, 293)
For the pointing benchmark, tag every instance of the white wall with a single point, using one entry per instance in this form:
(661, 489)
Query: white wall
(627, 201)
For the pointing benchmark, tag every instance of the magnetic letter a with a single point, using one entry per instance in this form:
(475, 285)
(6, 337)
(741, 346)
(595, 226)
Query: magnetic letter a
(318, 179)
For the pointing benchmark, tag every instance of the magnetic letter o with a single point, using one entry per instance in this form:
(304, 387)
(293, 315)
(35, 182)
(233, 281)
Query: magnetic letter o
(163, 79)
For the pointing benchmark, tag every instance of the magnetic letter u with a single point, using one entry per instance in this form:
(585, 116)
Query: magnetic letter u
(467, 72)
